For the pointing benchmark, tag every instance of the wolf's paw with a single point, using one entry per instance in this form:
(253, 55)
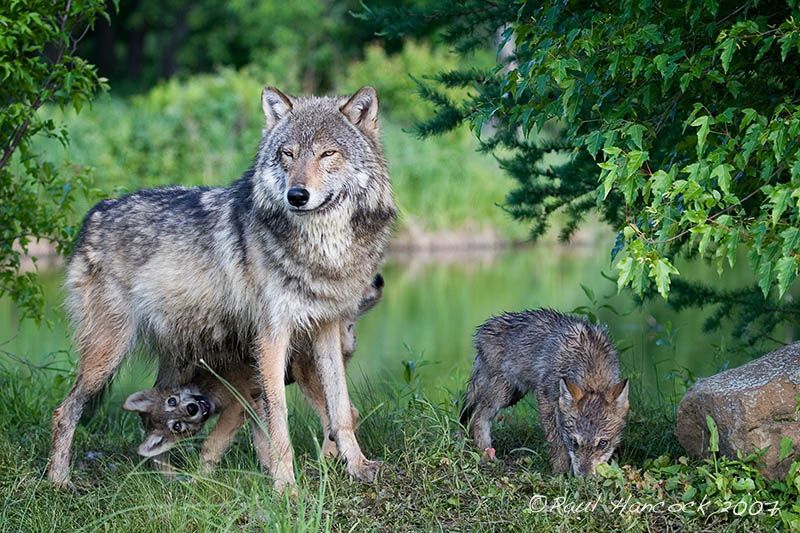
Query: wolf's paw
(64, 485)
(329, 449)
(366, 470)
(285, 486)
(489, 455)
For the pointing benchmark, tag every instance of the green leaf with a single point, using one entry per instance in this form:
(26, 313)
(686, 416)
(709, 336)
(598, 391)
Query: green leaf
(786, 272)
(625, 267)
(787, 447)
(702, 133)
(791, 240)
(765, 276)
(727, 47)
(662, 270)
(713, 435)
(780, 199)
(723, 174)
(733, 244)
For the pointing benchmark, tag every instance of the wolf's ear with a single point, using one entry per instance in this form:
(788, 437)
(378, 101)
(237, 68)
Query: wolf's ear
(140, 402)
(275, 104)
(362, 109)
(619, 395)
(569, 392)
(154, 444)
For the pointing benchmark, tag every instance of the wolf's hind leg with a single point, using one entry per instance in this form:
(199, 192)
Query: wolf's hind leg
(102, 345)
(489, 398)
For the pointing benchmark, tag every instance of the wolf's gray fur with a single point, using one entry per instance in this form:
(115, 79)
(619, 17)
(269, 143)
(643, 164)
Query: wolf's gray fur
(227, 273)
(170, 415)
(572, 367)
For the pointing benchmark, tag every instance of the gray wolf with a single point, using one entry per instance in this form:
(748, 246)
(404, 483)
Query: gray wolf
(232, 273)
(571, 366)
(170, 415)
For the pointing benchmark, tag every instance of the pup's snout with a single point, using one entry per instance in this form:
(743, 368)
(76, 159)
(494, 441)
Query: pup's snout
(377, 282)
(192, 409)
(298, 196)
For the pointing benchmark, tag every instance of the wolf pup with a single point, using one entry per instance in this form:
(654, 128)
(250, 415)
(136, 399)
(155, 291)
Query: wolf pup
(170, 415)
(231, 273)
(572, 367)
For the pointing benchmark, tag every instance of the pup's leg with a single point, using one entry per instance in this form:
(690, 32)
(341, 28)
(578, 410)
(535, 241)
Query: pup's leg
(486, 396)
(103, 342)
(330, 367)
(559, 457)
(219, 440)
(273, 351)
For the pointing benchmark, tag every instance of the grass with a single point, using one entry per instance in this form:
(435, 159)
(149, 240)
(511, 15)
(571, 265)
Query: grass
(432, 480)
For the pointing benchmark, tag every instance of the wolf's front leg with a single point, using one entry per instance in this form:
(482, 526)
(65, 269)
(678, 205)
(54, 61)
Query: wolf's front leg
(559, 456)
(272, 354)
(330, 366)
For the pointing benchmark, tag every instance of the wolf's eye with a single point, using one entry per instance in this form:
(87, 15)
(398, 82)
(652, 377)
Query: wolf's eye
(177, 427)
(602, 444)
(172, 402)
(573, 442)
(328, 153)
(288, 153)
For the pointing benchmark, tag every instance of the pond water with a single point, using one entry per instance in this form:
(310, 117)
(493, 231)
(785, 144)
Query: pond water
(432, 305)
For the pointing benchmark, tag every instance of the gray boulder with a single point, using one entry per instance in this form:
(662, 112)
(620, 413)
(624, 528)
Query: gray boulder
(754, 406)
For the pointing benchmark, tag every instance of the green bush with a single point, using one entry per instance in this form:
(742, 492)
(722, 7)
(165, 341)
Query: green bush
(38, 66)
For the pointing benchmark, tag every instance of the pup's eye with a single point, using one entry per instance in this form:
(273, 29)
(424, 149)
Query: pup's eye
(288, 153)
(172, 402)
(573, 442)
(602, 444)
(328, 153)
(177, 427)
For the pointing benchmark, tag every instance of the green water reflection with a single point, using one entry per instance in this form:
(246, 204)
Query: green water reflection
(431, 306)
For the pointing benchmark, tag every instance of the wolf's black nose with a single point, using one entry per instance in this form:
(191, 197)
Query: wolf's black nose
(192, 409)
(297, 196)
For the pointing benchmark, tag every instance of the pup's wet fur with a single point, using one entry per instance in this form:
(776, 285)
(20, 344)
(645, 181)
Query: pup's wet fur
(572, 367)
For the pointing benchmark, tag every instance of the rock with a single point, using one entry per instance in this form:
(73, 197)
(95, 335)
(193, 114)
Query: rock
(754, 406)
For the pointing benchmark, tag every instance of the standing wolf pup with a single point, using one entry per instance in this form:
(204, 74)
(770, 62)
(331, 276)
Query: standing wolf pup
(230, 273)
(572, 367)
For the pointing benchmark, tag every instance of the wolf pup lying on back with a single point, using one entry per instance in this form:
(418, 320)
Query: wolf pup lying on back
(170, 415)
(572, 367)
(230, 274)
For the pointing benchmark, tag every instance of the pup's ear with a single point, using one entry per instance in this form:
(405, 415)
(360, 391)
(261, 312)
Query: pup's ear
(569, 393)
(154, 444)
(275, 104)
(619, 395)
(140, 402)
(362, 109)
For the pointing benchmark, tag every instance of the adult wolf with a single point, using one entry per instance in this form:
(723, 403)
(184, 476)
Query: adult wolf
(232, 272)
